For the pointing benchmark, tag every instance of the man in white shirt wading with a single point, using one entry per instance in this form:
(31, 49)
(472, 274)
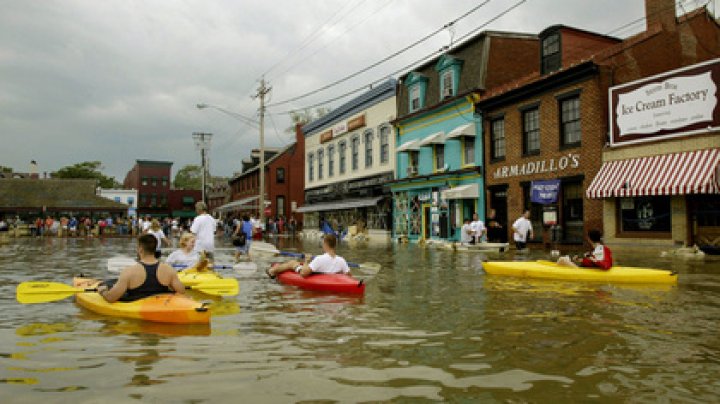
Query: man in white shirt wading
(478, 228)
(328, 263)
(203, 227)
(521, 228)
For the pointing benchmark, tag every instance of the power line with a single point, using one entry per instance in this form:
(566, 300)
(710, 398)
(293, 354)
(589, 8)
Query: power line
(348, 29)
(405, 68)
(310, 38)
(383, 60)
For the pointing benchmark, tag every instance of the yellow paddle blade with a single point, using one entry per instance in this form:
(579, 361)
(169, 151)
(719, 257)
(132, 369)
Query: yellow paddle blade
(218, 287)
(42, 292)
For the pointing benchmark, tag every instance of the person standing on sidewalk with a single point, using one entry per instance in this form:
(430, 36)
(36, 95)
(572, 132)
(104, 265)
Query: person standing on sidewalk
(522, 229)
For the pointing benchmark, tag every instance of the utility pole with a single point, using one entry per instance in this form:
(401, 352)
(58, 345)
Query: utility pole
(262, 91)
(202, 142)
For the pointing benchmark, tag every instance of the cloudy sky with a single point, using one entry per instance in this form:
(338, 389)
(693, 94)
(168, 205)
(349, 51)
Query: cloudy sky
(117, 81)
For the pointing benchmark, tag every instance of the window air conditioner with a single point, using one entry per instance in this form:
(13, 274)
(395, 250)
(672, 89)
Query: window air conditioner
(412, 170)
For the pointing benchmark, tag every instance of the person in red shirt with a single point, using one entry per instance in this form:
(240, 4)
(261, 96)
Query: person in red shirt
(600, 257)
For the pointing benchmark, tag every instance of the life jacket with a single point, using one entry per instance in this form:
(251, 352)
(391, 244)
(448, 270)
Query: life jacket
(603, 262)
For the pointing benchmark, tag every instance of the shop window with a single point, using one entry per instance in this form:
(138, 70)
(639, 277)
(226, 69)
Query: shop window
(572, 213)
(536, 213)
(311, 166)
(570, 134)
(368, 138)
(469, 150)
(331, 160)
(646, 215)
(342, 149)
(531, 131)
(321, 162)
(439, 151)
(280, 175)
(384, 144)
(497, 134)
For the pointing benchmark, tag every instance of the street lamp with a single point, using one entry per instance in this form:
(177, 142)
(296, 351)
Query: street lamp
(254, 124)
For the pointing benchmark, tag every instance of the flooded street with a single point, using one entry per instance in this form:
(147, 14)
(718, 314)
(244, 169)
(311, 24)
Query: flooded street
(431, 327)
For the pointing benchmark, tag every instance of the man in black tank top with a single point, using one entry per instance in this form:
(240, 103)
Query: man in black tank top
(146, 278)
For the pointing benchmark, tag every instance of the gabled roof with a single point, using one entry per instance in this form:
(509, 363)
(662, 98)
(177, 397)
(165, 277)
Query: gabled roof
(66, 194)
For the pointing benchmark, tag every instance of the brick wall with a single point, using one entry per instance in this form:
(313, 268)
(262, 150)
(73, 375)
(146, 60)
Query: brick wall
(292, 161)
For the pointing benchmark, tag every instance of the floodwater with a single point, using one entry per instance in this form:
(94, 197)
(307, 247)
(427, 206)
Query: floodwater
(432, 327)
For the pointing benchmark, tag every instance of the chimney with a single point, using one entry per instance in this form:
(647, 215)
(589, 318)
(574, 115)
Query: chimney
(34, 170)
(299, 135)
(660, 12)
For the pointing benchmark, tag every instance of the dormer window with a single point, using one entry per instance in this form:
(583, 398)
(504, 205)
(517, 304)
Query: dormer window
(551, 53)
(416, 84)
(448, 68)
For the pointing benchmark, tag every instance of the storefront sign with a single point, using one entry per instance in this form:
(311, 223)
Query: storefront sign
(355, 123)
(538, 167)
(544, 192)
(424, 196)
(339, 129)
(676, 103)
(326, 136)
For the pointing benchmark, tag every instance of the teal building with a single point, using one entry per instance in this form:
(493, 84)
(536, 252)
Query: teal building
(439, 147)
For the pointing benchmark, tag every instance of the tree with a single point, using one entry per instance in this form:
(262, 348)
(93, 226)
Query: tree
(87, 170)
(189, 177)
(4, 169)
(306, 115)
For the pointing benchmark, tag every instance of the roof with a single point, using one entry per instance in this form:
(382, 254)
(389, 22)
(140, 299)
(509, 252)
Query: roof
(352, 107)
(154, 163)
(279, 152)
(66, 194)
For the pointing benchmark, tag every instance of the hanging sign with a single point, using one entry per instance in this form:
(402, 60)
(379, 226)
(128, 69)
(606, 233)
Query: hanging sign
(544, 192)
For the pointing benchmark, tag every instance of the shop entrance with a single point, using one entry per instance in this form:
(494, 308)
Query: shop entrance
(706, 222)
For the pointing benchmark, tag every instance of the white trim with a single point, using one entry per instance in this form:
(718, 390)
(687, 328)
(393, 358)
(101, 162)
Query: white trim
(462, 130)
(435, 138)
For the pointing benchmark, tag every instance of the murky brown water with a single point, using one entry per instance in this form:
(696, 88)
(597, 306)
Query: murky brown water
(431, 327)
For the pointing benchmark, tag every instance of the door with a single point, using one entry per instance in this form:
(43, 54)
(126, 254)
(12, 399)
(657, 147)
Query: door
(427, 222)
(498, 202)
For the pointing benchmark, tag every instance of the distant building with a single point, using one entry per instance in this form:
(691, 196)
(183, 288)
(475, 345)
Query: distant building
(126, 196)
(29, 198)
(245, 186)
(285, 177)
(152, 180)
(218, 194)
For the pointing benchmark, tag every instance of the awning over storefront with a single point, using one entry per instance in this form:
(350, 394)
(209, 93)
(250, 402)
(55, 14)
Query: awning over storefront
(239, 204)
(188, 200)
(184, 213)
(468, 191)
(339, 205)
(409, 146)
(435, 138)
(462, 130)
(694, 172)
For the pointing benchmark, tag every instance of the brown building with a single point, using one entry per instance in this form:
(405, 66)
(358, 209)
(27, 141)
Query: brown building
(552, 125)
(152, 180)
(218, 194)
(245, 186)
(181, 202)
(285, 178)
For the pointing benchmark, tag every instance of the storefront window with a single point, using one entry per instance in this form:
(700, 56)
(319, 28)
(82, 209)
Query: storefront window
(415, 216)
(536, 213)
(647, 214)
(572, 213)
(401, 213)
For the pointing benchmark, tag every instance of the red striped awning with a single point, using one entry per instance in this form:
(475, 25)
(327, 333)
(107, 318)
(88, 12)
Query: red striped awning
(694, 172)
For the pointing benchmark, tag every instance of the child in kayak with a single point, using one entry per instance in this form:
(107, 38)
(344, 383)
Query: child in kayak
(146, 278)
(328, 263)
(600, 257)
(185, 256)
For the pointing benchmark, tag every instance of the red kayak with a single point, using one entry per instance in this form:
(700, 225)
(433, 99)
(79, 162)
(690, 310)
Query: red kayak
(337, 283)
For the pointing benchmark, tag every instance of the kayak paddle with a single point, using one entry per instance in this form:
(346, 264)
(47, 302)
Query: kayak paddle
(43, 292)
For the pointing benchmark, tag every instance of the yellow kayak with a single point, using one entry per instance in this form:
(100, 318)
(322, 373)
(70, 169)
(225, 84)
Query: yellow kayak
(162, 308)
(192, 277)
(551, 270)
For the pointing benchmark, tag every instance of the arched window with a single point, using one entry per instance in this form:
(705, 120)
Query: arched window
(355, 150)
(385, 144)
(342, 148)
(331, 160)
(311, 166)
(368, 139)
(320, 159)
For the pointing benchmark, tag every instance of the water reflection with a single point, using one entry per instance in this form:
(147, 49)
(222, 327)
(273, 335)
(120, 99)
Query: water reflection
(431, 326)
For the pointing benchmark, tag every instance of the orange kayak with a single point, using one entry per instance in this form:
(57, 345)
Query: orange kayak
(163, 308)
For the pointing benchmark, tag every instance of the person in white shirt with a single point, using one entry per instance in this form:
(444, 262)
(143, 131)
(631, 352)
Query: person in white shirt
(157, 232)
(204, 229)
(521, 229)
(184, 257)
(478, 228)
(466, 232)
(328, 263)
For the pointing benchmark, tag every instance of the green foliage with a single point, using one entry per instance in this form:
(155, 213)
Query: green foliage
(306, 115)
(87, 170)
(4, 169)
(189, 177)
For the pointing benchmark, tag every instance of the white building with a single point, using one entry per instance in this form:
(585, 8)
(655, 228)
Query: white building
(126, 196)
(349, 156)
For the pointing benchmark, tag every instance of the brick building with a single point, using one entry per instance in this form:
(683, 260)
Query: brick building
(659, 182)
(245, 186)
(218, 194)
(285, 179)
(547, 132)
(152, 180)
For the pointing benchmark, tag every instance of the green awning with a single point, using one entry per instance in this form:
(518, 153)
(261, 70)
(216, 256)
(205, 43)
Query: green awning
(188, 200)
(183, 213)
